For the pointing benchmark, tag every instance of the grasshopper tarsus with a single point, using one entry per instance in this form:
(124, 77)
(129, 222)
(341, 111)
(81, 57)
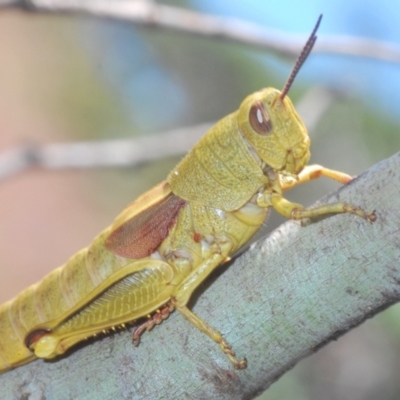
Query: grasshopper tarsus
(156, 319)
(372, 217)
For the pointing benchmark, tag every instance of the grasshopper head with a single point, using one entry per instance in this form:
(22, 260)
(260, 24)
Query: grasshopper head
(269, 122)
(275, 131)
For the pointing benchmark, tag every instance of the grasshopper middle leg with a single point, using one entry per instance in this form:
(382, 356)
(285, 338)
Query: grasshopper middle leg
(183, 292)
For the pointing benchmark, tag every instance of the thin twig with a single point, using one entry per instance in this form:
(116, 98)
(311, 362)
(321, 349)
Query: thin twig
(150, 14)
(134, 151)
(102, 153)
(313, 105)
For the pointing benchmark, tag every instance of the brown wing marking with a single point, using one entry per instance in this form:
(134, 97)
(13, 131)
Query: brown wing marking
(145, 223)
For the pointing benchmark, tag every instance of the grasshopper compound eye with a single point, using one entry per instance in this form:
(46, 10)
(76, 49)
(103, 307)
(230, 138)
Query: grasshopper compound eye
(259, 119)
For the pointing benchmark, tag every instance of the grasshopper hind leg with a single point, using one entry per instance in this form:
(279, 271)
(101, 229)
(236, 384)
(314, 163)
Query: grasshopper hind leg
(156, 319)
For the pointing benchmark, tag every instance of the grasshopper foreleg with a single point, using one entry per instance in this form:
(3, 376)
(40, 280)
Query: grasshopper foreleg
(273, 197)
(315, 171)
(297, 211)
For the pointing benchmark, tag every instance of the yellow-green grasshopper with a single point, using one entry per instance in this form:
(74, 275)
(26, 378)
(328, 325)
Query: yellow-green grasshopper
(167, 242)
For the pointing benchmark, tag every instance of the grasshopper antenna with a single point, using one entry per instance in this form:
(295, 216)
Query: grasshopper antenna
(300, 61)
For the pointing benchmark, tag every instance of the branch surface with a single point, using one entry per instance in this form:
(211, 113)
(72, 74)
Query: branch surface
(284, 298)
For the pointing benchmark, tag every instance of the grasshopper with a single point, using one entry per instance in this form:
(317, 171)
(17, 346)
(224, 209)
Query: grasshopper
(168, 241)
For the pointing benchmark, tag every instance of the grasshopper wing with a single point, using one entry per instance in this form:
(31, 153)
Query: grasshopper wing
(145, 223)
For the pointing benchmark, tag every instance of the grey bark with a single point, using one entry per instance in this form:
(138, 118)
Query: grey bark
(281, 300)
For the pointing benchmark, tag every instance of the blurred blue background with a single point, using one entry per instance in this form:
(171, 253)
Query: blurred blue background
(130, 63)
(362, 18)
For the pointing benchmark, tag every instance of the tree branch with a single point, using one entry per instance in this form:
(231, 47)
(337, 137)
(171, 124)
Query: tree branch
(150, 14)
(280, 301)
